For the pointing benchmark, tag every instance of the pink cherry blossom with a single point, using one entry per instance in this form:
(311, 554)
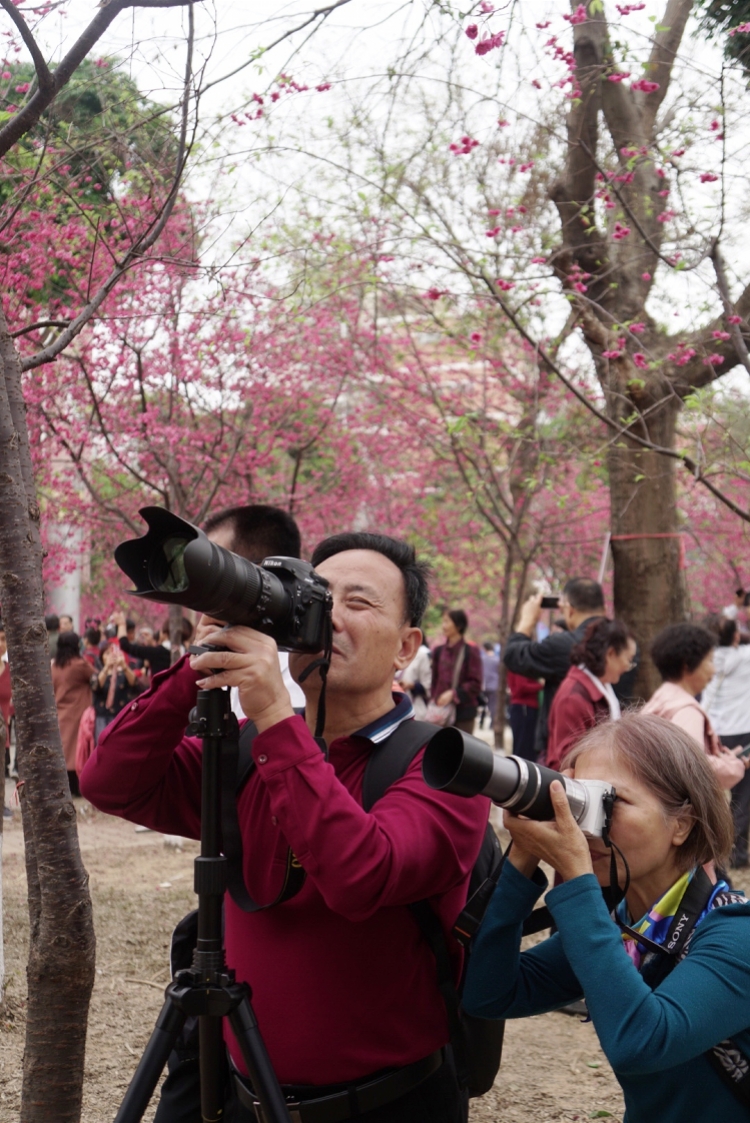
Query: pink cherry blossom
(578, 16)
(620, 76)
(472, 31)
(708, 177)
(713, 360)
(640, 360)
(645, 276)
(506, 286)
(721, 335)
(611, 354)
(645, 86)
(734, 319)
(638, 327)
(620, 232)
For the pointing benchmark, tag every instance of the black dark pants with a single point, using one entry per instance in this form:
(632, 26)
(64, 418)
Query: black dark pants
(740, 804)
(437, 1100)
(523, 721)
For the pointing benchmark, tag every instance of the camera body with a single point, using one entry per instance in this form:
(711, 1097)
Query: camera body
(175, 563)
(309, 602)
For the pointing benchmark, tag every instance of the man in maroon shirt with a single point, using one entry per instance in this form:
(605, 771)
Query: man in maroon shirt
(344, 985)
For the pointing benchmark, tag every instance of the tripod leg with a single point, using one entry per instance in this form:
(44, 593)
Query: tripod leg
(141, 1088)
(264, 1081)
(211, 1068)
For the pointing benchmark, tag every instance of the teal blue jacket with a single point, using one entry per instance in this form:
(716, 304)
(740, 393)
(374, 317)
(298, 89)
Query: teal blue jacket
(655, 1040)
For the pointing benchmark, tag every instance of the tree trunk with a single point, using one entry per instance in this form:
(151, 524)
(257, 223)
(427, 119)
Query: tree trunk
(60, 970)
(649, 583)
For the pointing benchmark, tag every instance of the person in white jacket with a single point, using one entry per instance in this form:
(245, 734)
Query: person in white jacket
(416, 679)
(726, 700)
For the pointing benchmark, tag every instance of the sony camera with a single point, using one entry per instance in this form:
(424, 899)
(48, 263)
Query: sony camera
(175, 563)
(459, 763)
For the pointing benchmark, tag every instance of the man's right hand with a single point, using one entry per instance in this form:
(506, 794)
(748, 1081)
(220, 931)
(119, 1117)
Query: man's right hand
(531, 610)
(204, 627)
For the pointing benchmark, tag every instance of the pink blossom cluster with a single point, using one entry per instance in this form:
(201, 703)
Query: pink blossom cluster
(640, 360)
(489, 43)
(682, 356)
(578, 16)
(620, 232)
(740, 29)
(506, 286)
(464, 147)
(577, 278)
(713, 360)
(645, 86)
(619, 76)
(626, 9)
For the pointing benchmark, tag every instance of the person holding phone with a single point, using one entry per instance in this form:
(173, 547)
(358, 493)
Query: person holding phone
(113, 685)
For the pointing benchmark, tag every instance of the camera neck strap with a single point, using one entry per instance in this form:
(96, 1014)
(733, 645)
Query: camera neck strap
(322, 663)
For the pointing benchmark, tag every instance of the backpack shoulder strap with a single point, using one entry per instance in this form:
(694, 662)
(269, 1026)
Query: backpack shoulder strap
(237, 766)
(390, 760)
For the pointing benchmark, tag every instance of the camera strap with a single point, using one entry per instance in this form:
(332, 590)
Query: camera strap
(237, 765)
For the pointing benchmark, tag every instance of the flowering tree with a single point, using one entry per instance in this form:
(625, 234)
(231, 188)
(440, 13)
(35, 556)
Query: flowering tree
(602, 242)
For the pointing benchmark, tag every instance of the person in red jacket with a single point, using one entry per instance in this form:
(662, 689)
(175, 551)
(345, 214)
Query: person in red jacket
(344, 986)
(585, 696)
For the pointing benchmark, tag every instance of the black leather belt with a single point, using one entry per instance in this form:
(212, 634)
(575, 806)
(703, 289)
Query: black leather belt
(352, 1100)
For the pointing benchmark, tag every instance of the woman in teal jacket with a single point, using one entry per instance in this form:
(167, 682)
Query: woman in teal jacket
(674, 1027)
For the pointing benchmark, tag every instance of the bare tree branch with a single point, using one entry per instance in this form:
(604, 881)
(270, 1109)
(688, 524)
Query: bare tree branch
(663, 55)
(45, 79)
(28, 116)
(141, 245)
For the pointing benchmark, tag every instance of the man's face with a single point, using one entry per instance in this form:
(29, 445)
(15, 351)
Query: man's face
(370, 636)
(567, 612)
(66, 623)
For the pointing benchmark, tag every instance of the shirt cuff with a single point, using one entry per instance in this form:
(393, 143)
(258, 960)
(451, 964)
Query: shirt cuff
(520, 893)
(284, 745)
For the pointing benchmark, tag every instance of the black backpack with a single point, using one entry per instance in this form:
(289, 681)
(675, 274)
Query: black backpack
(477, 1042)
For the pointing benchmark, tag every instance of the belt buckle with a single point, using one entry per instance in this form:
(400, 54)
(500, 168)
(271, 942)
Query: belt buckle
(292, 1108)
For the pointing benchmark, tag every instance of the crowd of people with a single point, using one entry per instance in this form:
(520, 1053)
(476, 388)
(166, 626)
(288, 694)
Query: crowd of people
(662, 962)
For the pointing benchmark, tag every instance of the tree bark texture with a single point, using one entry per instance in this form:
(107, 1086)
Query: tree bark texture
(60, 969)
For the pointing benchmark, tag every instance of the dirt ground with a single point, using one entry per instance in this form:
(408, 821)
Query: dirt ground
(553, 1068)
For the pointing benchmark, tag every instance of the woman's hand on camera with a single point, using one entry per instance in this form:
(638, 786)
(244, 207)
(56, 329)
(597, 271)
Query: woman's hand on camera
(251, 663)
(559, 842)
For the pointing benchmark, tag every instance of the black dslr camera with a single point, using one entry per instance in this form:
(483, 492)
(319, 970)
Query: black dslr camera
(174, 563)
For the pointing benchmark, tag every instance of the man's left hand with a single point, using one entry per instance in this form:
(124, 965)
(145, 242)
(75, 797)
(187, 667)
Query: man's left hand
(251, 663)
(560, 842)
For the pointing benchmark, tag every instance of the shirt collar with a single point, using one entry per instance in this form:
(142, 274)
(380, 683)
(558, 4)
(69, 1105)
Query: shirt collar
(388, 722)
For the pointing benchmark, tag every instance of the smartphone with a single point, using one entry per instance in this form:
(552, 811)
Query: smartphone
(550, 602)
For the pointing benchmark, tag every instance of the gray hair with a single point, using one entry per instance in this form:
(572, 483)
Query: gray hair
(675, 768)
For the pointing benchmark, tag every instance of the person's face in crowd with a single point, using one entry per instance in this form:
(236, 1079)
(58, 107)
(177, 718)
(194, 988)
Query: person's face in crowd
(618, 662)
(371, 639)
(66, 623)
(3, 644)
(647, 836)
(695, 682)
(450, 631)
(146, 636)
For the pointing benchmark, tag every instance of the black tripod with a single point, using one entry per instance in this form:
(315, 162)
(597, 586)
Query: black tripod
(207, 989)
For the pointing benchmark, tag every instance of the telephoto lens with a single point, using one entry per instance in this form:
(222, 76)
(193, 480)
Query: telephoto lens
(175, 563)
(459, 763)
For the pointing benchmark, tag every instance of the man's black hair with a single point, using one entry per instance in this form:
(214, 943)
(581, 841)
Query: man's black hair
(414, 573)
(129, 625)
(584, 595)
(260, 531)
(680, 648)
(459, 618)
(93, 637)
(52, 622)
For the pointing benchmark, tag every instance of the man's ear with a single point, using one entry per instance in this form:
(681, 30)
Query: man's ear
(410, 641)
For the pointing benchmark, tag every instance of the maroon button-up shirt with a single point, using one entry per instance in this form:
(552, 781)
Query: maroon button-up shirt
(343, 983)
